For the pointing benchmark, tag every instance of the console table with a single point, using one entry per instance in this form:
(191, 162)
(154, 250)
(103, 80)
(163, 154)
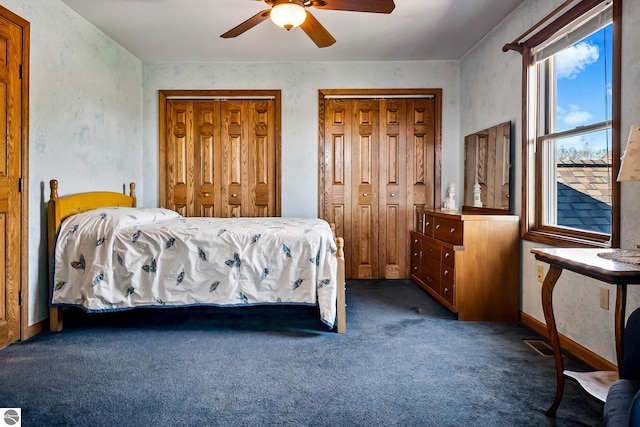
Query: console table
(585, 261)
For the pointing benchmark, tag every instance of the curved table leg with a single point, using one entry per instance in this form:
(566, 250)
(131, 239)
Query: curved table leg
(547, 292)
(621, 304)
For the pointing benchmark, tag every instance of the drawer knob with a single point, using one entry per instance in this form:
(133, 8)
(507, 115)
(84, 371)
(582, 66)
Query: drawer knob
(427, 223)
(364, 194)
(393, 194)
(415, 254)
(415, 241)
(453, 230)
(438, 227)
(234, 195)
(446, 290)
(447, 255)
(206, 194)
(446, 273)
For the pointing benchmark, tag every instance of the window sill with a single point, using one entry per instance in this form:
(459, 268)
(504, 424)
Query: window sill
(563, 241)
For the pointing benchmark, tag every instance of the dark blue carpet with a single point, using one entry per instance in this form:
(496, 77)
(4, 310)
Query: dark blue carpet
(405, 361)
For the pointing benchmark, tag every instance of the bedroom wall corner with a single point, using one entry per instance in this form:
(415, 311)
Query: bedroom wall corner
(85, 120)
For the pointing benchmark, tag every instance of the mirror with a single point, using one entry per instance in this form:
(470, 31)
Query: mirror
(487, 169)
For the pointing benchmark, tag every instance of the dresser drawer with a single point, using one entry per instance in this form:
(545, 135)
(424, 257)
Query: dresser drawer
(431, 249)
(427, 224)
(416, 249)
(430, 271)
(447, 283)
(448, 230)
(448, 256)
(447, 292)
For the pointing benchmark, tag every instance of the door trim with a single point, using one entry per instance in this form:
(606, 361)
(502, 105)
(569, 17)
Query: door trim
(164, 95)
(378, 93)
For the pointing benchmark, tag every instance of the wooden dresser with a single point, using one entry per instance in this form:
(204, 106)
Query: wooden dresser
(469, 262)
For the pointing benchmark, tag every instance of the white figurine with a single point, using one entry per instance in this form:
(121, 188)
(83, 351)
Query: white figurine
(476, 196)
(450, 201)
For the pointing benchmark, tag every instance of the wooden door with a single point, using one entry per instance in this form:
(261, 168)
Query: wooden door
(219, 158)
(393, 193)
(365, 133)
(336, 168)
(10, 176)
(379, 165)
(248, 158)
(423, 155)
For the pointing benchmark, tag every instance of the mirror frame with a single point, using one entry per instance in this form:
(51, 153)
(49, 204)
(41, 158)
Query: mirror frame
(488, 159)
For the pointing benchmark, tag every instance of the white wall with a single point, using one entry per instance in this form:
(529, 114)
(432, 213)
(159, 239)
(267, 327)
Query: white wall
(490, 87)
(300, 83)
(85, 119)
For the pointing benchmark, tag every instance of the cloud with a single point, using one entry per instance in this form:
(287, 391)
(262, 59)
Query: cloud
(574, 59)
(575, 116)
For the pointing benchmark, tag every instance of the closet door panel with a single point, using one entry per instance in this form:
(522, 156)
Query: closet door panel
(394, 224)
(379, 166)
(262, 159)
(421, 154)
(180, 156)
(234, 191)
(365, 186)
(206, 116)
(337, 165)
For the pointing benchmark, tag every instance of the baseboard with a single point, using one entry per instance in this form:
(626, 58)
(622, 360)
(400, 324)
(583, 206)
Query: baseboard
(35, 329)
(587, 356)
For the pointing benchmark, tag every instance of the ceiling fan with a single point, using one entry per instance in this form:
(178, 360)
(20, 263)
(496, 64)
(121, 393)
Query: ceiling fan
(292, 13)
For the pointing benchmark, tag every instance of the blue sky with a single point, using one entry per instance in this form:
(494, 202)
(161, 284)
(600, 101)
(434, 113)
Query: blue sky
(584, 96)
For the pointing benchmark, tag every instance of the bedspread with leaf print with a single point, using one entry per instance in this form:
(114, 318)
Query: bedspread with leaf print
(119, 258)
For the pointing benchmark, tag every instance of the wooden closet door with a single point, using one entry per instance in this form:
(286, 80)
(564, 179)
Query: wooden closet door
(364, 187)
(337, 170)
(207, 161)
(422, 156)
(235, 169)
(379, 166)
(393, 214)
(219, 158)
(180, 157)
(262, 159)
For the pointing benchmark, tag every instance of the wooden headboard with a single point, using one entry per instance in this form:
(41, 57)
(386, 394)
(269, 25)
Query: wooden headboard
(59, 208)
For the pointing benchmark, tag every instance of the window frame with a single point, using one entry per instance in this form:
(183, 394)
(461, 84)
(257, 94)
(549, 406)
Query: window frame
(533, 228)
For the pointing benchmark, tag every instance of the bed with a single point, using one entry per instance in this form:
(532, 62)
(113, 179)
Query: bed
(108, 255)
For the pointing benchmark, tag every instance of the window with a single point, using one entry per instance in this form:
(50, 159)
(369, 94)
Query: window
(571, 129)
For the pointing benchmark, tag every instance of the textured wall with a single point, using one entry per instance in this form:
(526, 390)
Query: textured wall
(300, 83)
(490, 87)
(85, 119)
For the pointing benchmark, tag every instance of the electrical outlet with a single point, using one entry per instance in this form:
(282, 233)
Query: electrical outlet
(604, 298)
(540, 273)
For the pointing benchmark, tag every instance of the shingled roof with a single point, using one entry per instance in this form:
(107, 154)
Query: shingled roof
(584, 195)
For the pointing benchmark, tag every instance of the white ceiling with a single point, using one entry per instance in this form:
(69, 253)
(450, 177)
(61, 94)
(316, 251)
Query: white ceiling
(189, 30)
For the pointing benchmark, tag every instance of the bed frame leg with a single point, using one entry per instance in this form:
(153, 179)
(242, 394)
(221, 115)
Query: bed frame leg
(341, 302)
(55, 319)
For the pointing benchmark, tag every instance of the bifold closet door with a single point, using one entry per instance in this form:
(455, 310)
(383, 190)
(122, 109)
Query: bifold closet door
(379, 160)
(220, 158)
(249, 157)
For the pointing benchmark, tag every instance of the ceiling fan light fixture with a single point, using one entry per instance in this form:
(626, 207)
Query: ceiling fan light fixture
(288, 14)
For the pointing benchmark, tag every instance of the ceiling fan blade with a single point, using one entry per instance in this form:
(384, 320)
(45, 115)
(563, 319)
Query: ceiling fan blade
(247, 25)
(374, 6)
(316, 31)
